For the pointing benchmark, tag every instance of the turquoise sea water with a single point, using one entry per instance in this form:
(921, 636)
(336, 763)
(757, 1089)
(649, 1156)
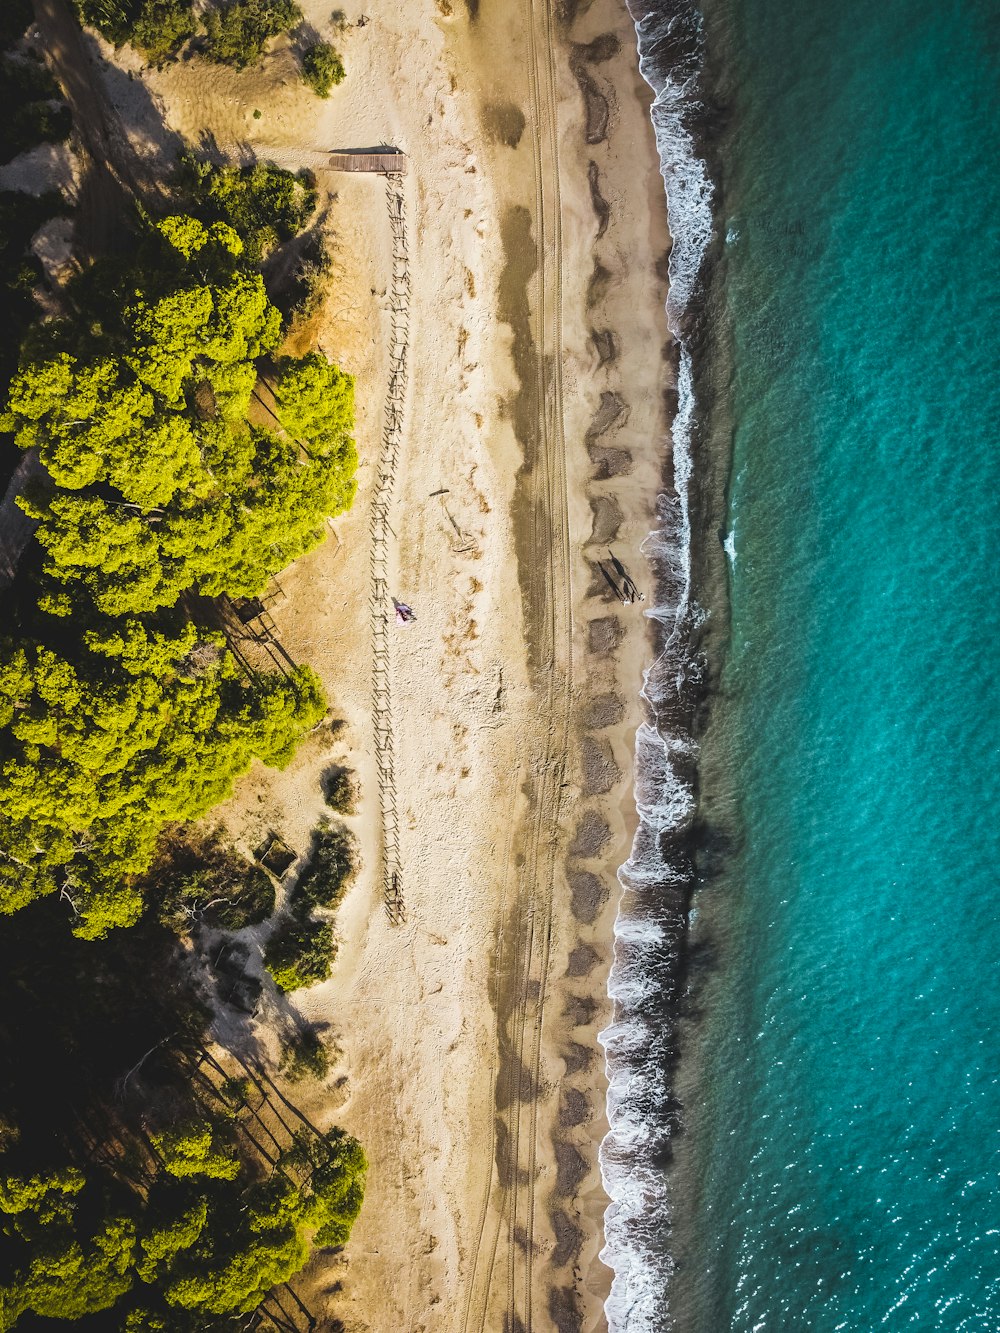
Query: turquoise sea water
(842, 1159)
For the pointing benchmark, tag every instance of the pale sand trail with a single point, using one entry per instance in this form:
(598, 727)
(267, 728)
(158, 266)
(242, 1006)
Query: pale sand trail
(469, 1066)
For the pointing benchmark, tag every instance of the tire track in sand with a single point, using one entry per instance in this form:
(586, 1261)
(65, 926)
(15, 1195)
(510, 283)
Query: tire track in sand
(524, 950)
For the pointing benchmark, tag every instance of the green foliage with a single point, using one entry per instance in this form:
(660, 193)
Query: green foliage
(212, 1242)
(195, 1149)
(170, 1206)
(264, 203)
(26, 92)
(74, 1264)
(337, 1180)
(200, 880)
(237, 32)
(322, 68)
(112, 18)
(324, 881)
(302, 950)
(305, 1056)
(162, 27)
(316, 405)
(162, 1245)
(300, 953)
(340, 792)
(150, 499)
(156, 27)
(134, 731)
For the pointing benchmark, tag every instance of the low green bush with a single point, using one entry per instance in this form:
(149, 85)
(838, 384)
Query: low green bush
(162, 27)
(340, 792)
(238, 32)
(28, 90)
(305, 1056)
(202, 881)
(324, 881)
(322, 68)
(300, 953)
(264, 203)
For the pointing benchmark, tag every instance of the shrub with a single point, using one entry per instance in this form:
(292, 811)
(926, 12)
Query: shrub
(203, 880)
(238, 32)
(28, 90)
(324, 881)
(113, 19)
(300, 953)
(264, 203)
(322, 68)
(340, 791)
(162, 27)
(305, 1056)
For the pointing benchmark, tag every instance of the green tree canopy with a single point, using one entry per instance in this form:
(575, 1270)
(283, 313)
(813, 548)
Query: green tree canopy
(322, 68)
(206, 1232)
(239, 30)
(106, 746)
(145, 497)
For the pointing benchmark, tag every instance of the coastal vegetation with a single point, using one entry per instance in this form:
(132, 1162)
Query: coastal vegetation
(266, 205)
(322, 68)
(36, 113)
(302, 950)
(121, 708)
(178, 1190)
(171, 457)
(230, 32)
(237, 32)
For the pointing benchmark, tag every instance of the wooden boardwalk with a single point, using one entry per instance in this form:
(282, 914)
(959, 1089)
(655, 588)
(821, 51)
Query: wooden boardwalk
(389, 163)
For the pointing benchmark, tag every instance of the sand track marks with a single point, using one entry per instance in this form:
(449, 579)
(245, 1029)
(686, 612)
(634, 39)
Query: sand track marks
(501, 1293)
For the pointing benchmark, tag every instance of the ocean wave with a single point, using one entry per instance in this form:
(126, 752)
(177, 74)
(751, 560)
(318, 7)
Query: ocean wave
(649, 928)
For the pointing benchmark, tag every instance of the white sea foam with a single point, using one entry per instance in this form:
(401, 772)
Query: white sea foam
(648, 927)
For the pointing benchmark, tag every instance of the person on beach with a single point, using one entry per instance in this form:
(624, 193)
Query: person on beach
(623, 597)
(405, 615)
(627, 581)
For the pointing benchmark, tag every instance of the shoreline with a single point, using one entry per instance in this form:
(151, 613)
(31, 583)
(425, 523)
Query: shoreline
(522, 191)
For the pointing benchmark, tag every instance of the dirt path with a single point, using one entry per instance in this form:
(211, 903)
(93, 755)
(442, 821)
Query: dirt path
(110, 181)
(501, 1290)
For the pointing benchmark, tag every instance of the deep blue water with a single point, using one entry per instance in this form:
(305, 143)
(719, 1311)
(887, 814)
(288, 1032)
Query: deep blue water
(842, 1156)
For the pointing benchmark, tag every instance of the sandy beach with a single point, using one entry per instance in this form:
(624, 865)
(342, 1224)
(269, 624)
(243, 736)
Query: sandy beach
(529, 438)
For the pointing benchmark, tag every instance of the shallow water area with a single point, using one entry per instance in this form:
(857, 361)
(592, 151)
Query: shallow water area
(844, 1148)
(841, 1103)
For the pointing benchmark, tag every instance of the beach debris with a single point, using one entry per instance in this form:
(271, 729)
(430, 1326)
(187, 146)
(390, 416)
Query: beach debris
(463, 542)
(405, 615)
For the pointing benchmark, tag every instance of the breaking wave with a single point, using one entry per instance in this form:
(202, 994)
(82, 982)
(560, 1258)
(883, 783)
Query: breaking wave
(650, 926)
